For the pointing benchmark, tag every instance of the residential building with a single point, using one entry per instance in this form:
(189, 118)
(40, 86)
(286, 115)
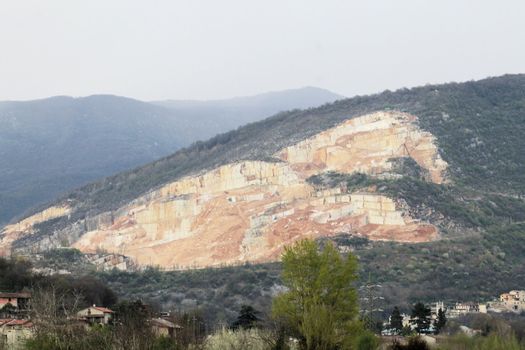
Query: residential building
(96, 314)
(163, 327)
(14, 333)
(513, 300)
(435, 307)
(462, 309)
(20, 301)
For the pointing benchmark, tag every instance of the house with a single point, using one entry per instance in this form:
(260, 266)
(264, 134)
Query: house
(96, 314)
(162, 327)
(19, 301)
(513, 295)
(513, 300)
(460, 309)
(483, 308)
(14, 332)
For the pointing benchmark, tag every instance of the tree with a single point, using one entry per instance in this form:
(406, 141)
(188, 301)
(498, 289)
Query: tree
(396, 320)
(247, 318)
(7, 311)
(193, 327)
(320, 306)
(52, 313)
(414, 343)
(441, 321)
(420, 317)
(130, 326)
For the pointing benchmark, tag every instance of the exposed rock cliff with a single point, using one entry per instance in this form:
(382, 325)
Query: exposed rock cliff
(366, 145)
(248, 211)
(11, 233)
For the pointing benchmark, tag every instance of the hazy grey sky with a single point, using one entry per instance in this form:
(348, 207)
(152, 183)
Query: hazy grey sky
(220, 48)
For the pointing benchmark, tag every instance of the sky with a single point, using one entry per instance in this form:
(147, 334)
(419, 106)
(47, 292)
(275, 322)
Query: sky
(195, 49)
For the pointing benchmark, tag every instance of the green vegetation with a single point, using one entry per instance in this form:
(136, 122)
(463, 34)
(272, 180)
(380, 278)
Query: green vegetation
(318, 309)
(396, 320)
(420, 317)
(478, 125)
(17, 275)
(440, 204)
(492, 342)
(451, 270)
(247, 318)
(413, 343)
(320, 306)
(480, 212)
(441, 321)
(253, 339)
(218, 292)
(53, 145)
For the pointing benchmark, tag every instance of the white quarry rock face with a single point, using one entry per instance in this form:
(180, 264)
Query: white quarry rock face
(248, 211)
(366, 144)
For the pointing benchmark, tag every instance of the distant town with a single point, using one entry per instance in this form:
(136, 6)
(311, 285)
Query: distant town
(511, 302)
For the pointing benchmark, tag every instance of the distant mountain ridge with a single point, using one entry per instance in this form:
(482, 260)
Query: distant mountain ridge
(217, 116)
(53, 145)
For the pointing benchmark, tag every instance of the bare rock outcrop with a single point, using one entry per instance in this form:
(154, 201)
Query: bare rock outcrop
(248, 211)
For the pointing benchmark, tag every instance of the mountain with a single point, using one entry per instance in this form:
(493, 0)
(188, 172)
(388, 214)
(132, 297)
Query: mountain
(53, 145)
(216, 116)
(425, 185)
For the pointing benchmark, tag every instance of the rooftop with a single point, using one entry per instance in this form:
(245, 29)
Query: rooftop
(15, 322)
(24, 295)
(102, 309)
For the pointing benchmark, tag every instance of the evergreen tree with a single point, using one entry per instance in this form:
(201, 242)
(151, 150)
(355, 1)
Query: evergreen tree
(421, 317)
(396, 320)
(247, 318)
(441, 321)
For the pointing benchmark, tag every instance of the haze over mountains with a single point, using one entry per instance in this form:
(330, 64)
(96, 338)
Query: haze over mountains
(53, 145)
(217, 116)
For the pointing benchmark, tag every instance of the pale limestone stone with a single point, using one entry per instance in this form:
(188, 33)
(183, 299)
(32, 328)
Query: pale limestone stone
(248, 211)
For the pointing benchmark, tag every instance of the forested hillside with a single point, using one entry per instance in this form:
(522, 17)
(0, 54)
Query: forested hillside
(53, 145)
(479, 210)
(478, 125)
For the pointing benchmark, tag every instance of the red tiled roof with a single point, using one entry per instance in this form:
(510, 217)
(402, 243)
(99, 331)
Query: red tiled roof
(15, 322)
(24, 295)
(103, 309)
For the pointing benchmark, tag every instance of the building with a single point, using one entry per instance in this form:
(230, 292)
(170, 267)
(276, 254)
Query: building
(513, 295)
(162, 327)
(435, 307)
(460, 309)
(95, 315)
(14, 333)
(19, 301)
(483, 308)
(513, 300)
